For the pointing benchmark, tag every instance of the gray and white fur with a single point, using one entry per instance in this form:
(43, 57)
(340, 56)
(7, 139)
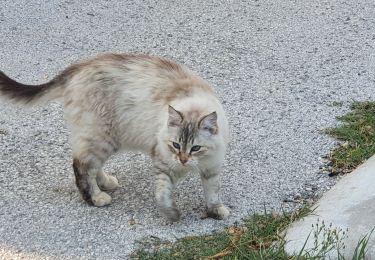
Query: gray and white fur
(117, 102)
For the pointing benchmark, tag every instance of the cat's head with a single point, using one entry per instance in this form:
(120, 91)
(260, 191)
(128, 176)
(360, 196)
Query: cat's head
(191, 137)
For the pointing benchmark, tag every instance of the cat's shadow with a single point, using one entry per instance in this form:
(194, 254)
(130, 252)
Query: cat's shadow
(136, 194)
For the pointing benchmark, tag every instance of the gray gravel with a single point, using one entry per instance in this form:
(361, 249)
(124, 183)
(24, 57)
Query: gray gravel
(277, 65)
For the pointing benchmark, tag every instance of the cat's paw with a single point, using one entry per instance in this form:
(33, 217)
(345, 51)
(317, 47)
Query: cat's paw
(101, 199)
(108, 183)
(220, 212)
(171, 214)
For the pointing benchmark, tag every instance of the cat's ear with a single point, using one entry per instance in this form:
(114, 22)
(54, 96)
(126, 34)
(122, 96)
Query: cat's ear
(209, 123)
(175, 117)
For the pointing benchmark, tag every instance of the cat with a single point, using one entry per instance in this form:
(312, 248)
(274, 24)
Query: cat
(135, 102)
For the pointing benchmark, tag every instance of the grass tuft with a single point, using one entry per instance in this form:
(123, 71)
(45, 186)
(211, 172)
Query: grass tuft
(358, 136)
(362, 246)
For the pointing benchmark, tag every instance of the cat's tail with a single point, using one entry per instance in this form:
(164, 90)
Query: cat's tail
(31, 94)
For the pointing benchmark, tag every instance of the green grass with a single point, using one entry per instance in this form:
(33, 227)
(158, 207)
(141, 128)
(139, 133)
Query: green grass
(362, 246)
(358, 135)
(260, 237)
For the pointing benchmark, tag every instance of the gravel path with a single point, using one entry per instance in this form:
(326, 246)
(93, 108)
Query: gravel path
(277, 65)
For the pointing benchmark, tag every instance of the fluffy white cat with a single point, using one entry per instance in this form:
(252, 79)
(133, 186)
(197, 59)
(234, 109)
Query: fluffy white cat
(117, 102)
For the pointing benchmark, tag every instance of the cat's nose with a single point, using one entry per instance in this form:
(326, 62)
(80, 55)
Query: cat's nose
(183, 160)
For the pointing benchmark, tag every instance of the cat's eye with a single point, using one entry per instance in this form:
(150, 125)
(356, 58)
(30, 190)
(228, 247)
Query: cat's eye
(176, 145)
(195, 148)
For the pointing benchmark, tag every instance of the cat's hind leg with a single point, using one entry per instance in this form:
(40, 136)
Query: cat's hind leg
(88, 159)
(85, 173)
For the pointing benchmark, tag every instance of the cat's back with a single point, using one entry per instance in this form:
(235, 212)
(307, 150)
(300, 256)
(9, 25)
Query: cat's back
(150, 78)
(132, 68)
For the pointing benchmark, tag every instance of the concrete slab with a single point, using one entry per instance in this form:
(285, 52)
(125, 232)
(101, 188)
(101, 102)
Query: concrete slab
(349, 205)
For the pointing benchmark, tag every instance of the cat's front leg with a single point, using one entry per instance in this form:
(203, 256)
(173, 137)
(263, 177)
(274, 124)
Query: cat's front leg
(164, 196)
(211, 188)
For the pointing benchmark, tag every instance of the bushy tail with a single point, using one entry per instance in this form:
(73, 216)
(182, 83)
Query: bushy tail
(29, 94)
